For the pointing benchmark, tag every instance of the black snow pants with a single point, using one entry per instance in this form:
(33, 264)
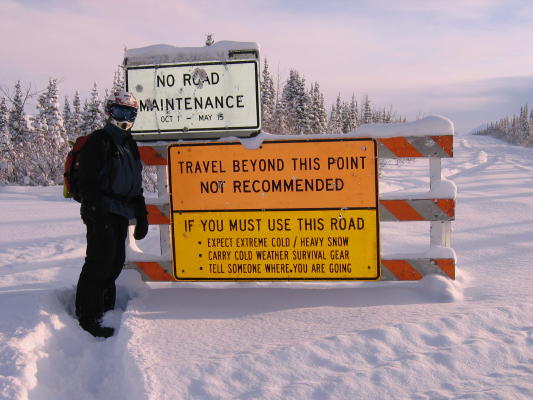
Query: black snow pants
(105, 256)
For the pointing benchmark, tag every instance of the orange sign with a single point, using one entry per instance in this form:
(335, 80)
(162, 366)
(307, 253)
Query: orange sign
(311, 174)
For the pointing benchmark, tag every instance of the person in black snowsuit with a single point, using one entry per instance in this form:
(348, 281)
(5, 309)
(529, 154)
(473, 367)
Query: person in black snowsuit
(110, 185)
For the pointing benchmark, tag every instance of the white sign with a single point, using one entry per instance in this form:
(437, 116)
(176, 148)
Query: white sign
(199, 97)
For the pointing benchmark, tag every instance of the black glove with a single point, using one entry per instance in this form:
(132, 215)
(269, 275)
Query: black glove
(139, 206)
(141, 227)
(93, 212)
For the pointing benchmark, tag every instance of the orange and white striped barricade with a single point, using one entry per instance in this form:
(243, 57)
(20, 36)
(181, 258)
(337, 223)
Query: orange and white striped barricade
(436, 207)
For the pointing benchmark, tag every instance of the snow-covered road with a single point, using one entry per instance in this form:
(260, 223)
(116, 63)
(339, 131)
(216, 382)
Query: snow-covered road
(472, 338)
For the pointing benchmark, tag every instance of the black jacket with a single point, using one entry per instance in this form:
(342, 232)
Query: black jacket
(110, 170)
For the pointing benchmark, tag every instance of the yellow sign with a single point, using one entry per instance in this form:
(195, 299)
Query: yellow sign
(270, 245)
(292, 210)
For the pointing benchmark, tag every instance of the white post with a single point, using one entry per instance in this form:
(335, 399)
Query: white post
(435, 171)
(162, 194)
(440, 231)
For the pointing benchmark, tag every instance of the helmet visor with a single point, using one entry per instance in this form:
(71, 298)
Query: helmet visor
(122, 113)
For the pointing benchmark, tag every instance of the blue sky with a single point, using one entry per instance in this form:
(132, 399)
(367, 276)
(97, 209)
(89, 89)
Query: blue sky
(466, 59)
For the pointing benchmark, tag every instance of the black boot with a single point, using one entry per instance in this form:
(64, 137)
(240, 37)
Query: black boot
(96, 329)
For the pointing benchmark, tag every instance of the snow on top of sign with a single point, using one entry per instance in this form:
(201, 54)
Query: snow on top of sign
(434, 125)
(165, 53)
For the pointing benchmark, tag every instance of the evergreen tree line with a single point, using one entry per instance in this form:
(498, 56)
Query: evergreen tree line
(33, 148)
(294, 109)
(517, 129)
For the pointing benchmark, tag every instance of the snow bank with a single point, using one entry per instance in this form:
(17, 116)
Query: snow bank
(167, 54)
(441, 289)
(290, 340)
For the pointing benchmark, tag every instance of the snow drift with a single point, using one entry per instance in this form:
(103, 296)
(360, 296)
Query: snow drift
(433, 339)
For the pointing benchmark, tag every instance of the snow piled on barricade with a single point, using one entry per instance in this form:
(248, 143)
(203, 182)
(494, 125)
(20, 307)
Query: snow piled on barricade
(433, 125)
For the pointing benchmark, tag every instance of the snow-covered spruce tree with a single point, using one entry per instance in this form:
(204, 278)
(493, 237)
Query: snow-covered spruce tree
(515, 130)
(387, 116)
(288, 101)
(17, 120)
(317, 112)
(524, 126)
(57, 136)
(310, 111)
(347, 119)
(335, 117)
(92, 112)
(48, 139)
(329, 127)
(6, 168)
(529, 139)
(367, 111)
(296, 100)
(118, 80)
(279, 124)
(302, 122)
(103, 116)
(17, 127)
(72, 118)
(76, 119)
(38, 168)
(68, 121)
(383, 116)
(507, 129)
(84, 126)
(320, 110)
(352, 115)
(268, 98)
(376, 116)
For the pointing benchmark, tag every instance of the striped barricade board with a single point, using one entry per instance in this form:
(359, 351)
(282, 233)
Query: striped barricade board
(389, 211)
(391, 269)
(395, 147)
(433, 210)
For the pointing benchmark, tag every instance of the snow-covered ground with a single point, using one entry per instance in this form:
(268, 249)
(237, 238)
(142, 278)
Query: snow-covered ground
(434, 339)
